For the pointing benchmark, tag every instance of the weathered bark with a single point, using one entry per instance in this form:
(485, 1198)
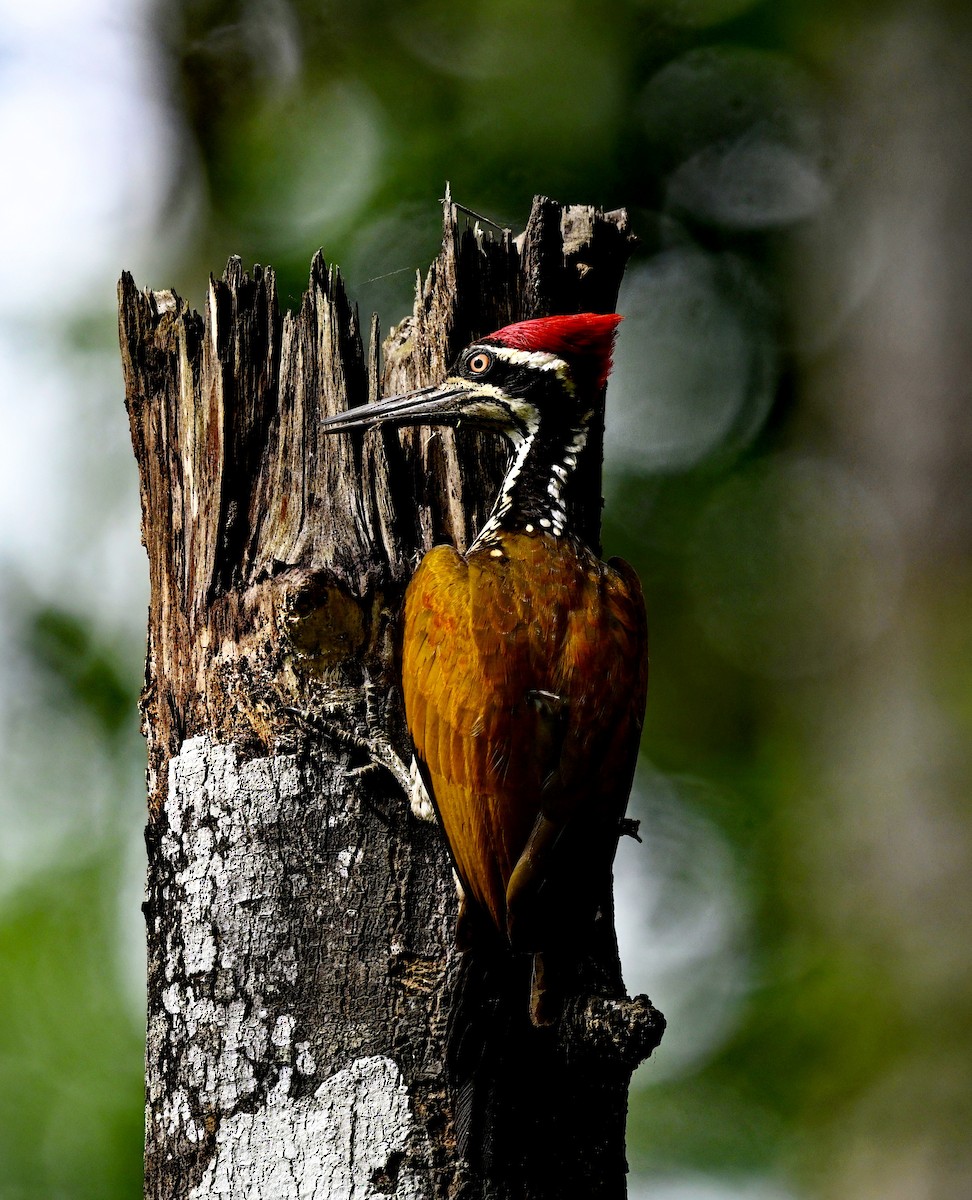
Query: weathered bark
(300, 920)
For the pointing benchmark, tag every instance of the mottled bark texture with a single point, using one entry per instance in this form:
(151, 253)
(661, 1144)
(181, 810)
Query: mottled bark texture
(300, 920)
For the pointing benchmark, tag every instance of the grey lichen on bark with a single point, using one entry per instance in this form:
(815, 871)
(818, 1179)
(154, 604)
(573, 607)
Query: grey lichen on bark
(270, 838)
(300, 920)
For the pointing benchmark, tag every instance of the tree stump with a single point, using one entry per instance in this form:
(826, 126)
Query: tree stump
(300, 920)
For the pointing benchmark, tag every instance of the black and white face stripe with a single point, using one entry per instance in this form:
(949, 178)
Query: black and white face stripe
(470, 365)
(530, 396)
(513, 374)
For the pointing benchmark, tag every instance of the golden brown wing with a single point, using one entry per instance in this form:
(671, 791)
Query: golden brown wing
(523, 676)
(448, 696)
(601, 675)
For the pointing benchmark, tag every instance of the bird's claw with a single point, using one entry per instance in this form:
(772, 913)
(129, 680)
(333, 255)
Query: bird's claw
(369, 736)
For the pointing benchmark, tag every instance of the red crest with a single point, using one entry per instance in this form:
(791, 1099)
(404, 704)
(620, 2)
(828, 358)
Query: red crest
(585, 340)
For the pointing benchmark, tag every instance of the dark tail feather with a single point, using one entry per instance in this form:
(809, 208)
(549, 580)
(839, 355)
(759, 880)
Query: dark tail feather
(524, 1105)
(506, 1075)
(489, 1032)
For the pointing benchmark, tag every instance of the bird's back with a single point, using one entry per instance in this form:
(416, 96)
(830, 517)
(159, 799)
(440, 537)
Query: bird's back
(524, 668)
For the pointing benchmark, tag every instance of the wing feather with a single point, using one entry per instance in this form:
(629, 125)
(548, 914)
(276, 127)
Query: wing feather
(484, 637)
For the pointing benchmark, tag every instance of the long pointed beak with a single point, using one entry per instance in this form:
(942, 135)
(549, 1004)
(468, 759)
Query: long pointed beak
(439, 405)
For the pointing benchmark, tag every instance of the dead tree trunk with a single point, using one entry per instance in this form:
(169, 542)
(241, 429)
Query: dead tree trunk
(300, 920)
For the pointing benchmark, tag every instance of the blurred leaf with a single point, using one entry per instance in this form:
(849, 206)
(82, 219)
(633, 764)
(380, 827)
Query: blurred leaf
(81, 670)
(70, 1051)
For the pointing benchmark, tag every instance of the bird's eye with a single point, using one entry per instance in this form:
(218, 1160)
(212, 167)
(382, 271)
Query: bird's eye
(479, 363)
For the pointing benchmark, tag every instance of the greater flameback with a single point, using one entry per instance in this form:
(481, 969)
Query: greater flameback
(524, 661)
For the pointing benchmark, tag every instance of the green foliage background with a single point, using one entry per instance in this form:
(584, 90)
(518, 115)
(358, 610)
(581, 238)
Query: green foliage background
(788, 458)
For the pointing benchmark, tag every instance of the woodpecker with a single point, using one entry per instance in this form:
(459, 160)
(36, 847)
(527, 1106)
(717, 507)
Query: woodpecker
(524, 662)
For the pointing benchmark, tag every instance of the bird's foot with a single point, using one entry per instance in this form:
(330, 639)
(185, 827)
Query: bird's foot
(368, 735)
(419, 799)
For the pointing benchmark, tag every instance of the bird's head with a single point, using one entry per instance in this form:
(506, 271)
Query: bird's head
(524, 375)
